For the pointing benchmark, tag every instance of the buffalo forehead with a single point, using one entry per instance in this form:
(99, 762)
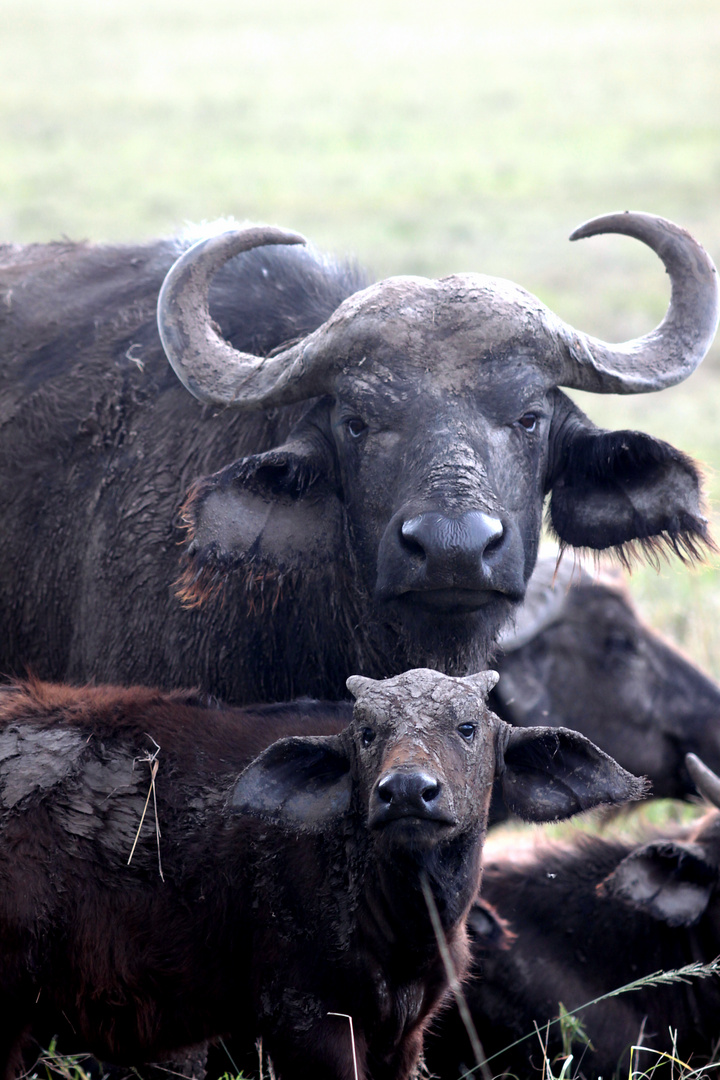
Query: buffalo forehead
(467, 320)
(421, 694)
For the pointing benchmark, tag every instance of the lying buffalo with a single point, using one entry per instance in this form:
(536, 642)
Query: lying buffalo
(262, 904)
(579, 656)
(571, 923)
(366, 475)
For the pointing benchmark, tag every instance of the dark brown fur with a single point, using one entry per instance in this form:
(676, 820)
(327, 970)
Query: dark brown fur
(582, 931)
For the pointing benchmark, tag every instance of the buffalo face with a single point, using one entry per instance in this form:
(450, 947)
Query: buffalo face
(410, 495)
(581, 657)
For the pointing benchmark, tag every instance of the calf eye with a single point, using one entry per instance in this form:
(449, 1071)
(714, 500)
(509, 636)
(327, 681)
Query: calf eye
(356, 426)
(528, 420)
(467, 731)
(367, 735)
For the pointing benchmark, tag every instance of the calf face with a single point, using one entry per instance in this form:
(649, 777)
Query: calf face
(297, 891)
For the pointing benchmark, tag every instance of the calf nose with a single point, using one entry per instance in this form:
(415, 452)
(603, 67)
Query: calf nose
(456, 543)
(407, 794)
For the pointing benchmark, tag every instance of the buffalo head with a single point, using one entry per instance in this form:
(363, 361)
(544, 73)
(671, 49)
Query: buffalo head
(578, 655)
(414, 771)
(436, 429)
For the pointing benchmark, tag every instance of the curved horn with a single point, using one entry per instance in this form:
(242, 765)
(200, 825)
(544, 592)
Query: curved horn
(674, 349)
(205, 363)
(705, 780)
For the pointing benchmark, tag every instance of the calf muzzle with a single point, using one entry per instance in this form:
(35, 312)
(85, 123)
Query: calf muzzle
(406, 794)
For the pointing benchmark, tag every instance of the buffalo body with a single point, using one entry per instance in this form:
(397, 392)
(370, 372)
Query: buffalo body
(568, 924)
(254, 905)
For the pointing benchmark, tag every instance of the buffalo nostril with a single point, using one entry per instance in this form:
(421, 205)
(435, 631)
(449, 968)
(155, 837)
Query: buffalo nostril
(385, 789)
(436, 537)
(408, 788)
(430, 792)
(409, 540)
(495, 538)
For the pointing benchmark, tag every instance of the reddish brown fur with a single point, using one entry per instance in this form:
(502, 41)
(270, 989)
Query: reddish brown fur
(269, 900)
(91, 961)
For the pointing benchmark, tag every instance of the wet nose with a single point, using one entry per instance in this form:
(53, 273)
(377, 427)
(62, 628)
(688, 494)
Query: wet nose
(405, 792)
(458, 542)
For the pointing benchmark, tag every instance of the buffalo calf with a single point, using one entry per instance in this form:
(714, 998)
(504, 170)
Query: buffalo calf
(572, 923)
(152, 898)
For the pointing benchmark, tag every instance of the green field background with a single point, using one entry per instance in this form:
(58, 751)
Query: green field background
(422, 137)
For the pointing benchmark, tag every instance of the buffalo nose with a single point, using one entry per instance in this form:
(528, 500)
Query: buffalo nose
(408, 790)
(465, 539)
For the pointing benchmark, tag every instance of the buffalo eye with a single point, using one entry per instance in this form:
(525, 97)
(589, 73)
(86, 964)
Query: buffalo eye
(356, 426)
(467, 731)
(528, 421)
(620, 643)
(367, 736)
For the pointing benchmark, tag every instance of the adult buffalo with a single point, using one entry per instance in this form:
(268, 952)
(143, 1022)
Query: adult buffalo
(579, 656)
(381, 480)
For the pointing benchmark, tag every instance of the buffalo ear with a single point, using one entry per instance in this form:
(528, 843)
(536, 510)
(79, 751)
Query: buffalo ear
(670, 881)
(269, 516)
(552, 773)
(304, 783)
(488, 929)
(616, 488)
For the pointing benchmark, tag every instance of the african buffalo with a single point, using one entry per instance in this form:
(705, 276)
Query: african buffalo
(579, 656)
(569, 923)
(261, 904)
(366, 474)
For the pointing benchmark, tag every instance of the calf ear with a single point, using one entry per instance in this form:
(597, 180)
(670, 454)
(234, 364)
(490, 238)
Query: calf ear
(268, 516)
(552, 773)
(670, 881)
(619, 488)
(304, 783)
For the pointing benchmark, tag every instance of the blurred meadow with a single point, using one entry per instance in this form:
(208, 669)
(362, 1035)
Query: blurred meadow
(422, 137)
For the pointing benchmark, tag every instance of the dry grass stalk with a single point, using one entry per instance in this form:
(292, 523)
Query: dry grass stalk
(478, 1052)
(154, 764)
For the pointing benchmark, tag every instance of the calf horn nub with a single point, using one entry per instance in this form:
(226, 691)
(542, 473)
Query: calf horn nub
(706, 781)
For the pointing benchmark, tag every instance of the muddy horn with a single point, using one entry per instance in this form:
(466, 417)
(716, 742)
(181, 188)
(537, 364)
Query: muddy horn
(217, 373)
(674, 349)
(205, 363)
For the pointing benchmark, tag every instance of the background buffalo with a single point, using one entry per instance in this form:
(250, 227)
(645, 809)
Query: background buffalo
(570, 922)
(579, 655)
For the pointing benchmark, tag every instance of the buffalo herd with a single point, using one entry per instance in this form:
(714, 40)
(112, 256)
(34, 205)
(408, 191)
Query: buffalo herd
(236, 466)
